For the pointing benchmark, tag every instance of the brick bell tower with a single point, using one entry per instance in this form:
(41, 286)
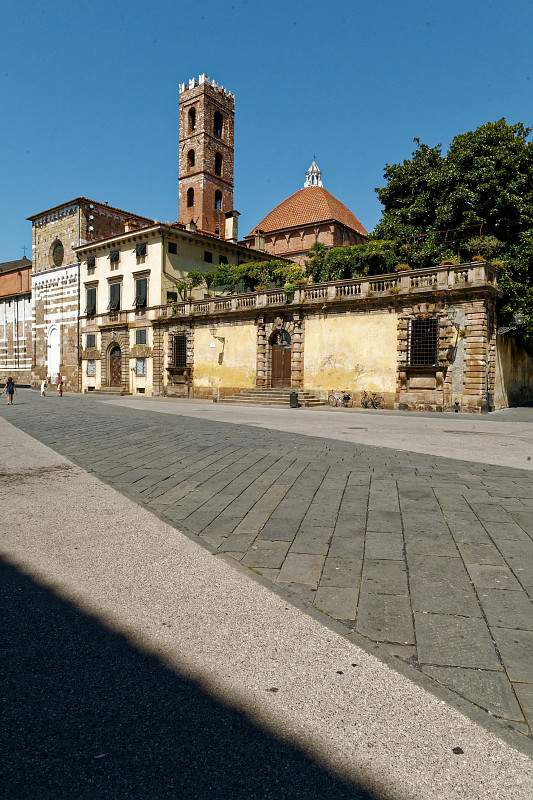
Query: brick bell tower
(206, 152)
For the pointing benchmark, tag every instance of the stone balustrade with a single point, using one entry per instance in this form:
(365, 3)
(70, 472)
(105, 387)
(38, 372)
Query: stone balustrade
(437, 279)
(402, 283)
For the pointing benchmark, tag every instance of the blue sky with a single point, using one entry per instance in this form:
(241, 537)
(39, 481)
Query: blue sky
(88, 94)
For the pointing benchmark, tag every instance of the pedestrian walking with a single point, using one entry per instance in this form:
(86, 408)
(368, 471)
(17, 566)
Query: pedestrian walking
(59, 384)
(9, 390)
(44, 387)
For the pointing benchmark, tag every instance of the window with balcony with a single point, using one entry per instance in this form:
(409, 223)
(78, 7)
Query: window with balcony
(90, 301)
(114, 297)
(141, 293)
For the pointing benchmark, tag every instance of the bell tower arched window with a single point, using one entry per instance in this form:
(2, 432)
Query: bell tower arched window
(190, 159)
(218, 163)
(218, 125)
(190, 198)
(192, 119)
(218, 200)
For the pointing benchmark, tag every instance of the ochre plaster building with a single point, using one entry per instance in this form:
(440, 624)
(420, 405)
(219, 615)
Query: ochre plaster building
(310, 215)
(55, 280)
(15, 321)
(125, 281)
(421, 340)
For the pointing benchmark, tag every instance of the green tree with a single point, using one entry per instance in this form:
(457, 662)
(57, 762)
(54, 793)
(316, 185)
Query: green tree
(475, 200)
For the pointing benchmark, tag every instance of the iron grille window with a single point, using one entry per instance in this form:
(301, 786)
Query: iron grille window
(90, 301)
(424, 342)
(114, 256)
(90, 340)
(140, 366)
(114, 297)
(179, 351)
(141, 293)
(91, 368)
(140, 249)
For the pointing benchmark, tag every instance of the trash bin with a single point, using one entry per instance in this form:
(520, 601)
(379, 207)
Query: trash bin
(293, 399)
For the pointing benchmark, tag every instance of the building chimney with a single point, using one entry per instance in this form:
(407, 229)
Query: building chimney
(259, 239)
(232, 226)
(130, 224)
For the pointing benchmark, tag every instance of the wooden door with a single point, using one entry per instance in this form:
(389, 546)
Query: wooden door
(281, 367)
(115, 367)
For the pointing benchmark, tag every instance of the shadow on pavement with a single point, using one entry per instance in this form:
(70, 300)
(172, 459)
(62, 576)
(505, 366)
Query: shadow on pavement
(89, 715)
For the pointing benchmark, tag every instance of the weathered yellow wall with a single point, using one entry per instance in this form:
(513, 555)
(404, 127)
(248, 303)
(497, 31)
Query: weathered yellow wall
(229, 364)
(351, 351)
(513, 383)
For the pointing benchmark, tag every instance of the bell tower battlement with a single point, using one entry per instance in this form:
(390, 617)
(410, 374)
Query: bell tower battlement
(206, 154)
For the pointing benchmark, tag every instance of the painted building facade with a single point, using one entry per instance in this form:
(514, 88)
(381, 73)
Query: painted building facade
(125, 281)
(15, 321)
(55, 281)
(422, 340)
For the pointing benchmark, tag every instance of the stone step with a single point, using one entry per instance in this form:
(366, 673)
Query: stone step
(115, 391)
(272, 397)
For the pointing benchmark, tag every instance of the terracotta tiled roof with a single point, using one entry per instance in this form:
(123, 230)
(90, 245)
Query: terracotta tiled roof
(307, 206)
(20, 263)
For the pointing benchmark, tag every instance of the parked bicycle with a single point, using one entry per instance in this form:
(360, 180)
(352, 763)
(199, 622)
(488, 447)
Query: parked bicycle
(372, 400)
(336, 399)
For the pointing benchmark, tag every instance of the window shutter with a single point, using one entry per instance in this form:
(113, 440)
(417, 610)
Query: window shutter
(141, 293)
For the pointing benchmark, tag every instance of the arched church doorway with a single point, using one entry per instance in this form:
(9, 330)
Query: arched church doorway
(281, 352)
(115, 366)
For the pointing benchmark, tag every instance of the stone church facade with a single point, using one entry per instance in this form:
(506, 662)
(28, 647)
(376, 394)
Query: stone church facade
(55, 281)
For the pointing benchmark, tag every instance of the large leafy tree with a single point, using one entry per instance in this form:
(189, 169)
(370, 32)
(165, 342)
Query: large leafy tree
(475, 200)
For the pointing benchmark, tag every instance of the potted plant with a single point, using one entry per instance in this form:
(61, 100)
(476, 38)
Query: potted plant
(403, 266)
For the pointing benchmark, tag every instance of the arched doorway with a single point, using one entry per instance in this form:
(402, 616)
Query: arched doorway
(281, 353)
(115, 366)
(53, 356)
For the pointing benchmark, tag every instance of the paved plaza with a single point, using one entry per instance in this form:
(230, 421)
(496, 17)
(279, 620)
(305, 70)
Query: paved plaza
(429, 557)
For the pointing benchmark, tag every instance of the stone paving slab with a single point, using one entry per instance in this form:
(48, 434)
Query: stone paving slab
(431, 557)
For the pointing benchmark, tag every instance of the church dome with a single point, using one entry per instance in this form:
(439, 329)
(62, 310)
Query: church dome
(308, 206)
